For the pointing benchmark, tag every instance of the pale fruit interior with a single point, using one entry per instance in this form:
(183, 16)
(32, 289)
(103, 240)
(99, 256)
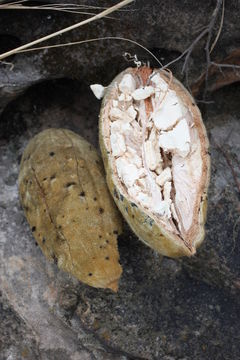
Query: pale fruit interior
(156, 150)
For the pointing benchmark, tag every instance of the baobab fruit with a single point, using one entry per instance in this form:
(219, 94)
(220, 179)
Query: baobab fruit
(69, 208)
(155, 151)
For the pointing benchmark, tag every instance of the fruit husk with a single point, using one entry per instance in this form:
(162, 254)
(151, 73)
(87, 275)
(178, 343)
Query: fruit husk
(142, 222)
(68, 206)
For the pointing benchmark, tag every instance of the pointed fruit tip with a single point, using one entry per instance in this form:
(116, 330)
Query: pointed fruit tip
(113, 285)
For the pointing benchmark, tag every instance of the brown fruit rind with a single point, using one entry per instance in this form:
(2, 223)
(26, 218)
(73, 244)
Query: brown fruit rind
(145, 226)
(66, 201)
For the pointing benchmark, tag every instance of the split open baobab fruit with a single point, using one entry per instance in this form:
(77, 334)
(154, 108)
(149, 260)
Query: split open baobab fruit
(155, 151)
(68, 206)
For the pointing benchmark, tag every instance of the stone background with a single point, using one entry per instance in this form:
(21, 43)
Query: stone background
(165, 309)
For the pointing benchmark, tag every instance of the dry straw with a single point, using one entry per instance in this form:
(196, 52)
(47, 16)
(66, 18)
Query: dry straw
(102, 14)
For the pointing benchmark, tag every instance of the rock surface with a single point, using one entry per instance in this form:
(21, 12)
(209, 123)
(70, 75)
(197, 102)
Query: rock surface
(168, 29)
(165, 309)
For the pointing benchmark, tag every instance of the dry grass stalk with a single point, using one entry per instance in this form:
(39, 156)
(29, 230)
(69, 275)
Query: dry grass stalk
(67, 8)
(102, 14)
(93, 40)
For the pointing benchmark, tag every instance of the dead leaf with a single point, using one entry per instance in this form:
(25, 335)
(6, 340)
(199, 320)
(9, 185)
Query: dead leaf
(219, 77)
